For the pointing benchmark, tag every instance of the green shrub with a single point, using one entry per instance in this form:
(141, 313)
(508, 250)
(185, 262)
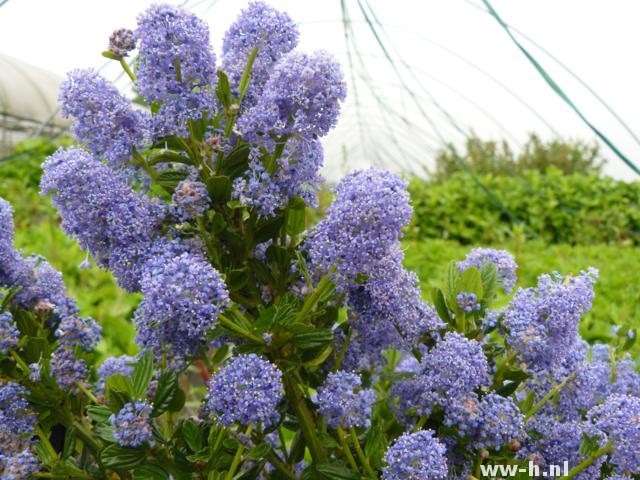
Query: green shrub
(497, 158)
(550, 206)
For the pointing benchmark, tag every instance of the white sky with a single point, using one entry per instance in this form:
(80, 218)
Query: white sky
(597, 39)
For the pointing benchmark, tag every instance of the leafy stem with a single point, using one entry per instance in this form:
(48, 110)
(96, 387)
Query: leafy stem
(363, 458)
(550, 394)
(588, 461)
(345, 448)
(236, 458)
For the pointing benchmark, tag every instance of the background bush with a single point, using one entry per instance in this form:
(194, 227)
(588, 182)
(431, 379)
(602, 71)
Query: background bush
(550, 206)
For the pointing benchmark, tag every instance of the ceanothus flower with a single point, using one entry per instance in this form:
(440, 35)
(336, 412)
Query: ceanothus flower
(246, 390)
(41, 282)
(552, 442)
(500, 422)
(123, 365)
(132, 424)
(9, 333)
(468, 302)
(191, 199)
(176, 67)
(362, 225)
(627, 378)
(100, 209)
(122, 41)
(76, 331)
(302, 97)
(542, 323)
(105, 121)
(68, 370)
(343, 401)
(183, 295)
(296, 172)
(16, 417)
(10, 261)
(19, 465)
(416, 456)
(619, 417)
(456, 366)
(271, 32)
(390, 300)
(413, 398)
(506, 265)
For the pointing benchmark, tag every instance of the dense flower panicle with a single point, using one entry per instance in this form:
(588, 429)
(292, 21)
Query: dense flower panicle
(296, 173)
(246, 390)
(191, 199)
(456, 366)
(627, 378)
(542, 323)
(506, 265)
(9, 333)
(18, 466)
(271, 32)
(76, 331)
(100, 209)
(552, 442)
(68, 370)
(183, 295)
(132, 424)
(122, 41)
(363, 223)
(413, 398)
(619, 418)
(500, 422)
(302, 97)
(123, 365)
(41, 282)
(105, 121)
(416, 456)
(176, 67)
(343, 401)
(468, 302)
(16, 417)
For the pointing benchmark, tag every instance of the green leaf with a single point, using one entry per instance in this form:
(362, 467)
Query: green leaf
(470, 281)
(489, 276)
(169, 179)
(219, 188)
(142, 374)
(589, 444)
(450, 282)
(296, 216)
(268, 228)
(235, 164)
(193, 435)
(313, 339)
(121, 458)
(34, 348)
(98, 413)
(223, 89)
(375, 446)
(441, 305)
(336, 471)
(165, 392)
(259, 451)
(110, 55)
(237, 279)
(178, 400)
(150, 472)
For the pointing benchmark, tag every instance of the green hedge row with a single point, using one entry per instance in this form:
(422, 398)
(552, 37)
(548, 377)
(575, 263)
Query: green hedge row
(550, 206)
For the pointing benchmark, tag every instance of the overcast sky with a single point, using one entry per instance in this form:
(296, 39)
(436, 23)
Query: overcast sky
(465, 74)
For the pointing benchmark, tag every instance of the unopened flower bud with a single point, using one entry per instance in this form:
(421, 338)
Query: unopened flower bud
(121, 42)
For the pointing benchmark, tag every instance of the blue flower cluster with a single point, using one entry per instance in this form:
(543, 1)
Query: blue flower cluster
(191, 199)
(246, 390)
(105, 122)
(176, 67)
(343, 401)
(100, 209)
(67, 370)
(17, 421)
(416, 456)
(74, 331)
(9, 333)
(262, 27)
(542, 323)
(183, 295)
(132, 424)
(122, 365)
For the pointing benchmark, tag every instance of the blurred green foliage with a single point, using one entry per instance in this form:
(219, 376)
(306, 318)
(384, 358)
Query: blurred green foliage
(550, 206)
(38, 231)
(496, 158)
